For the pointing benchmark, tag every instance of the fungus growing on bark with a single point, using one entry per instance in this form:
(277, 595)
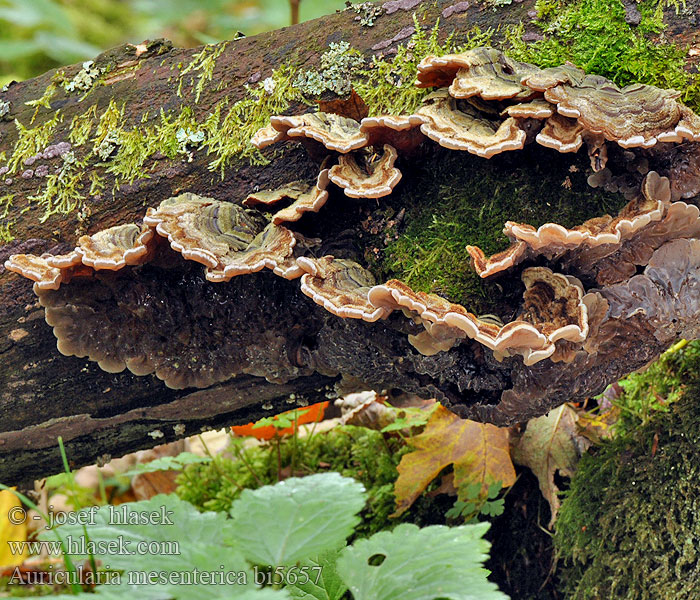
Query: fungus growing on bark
(466, 129)
(335, 132)
(340, 286)
(228, 239)
(587, 244)
(363, 175)
(636, 115)
(483, 72)
(553, 310)
(115, 247)
(306, 198)
(487, 104)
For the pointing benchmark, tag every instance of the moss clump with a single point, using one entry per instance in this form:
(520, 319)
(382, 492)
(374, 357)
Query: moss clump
(657, 387)
(593, 34)
(31, 141)
(6, 234)
(388, 86)
(228, 134)
(629, 527)
(464, 200)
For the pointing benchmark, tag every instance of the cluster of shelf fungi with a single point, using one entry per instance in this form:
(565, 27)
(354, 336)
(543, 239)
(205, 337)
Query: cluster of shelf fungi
(108, 299)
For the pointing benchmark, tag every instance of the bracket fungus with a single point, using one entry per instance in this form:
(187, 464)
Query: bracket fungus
(580, 315)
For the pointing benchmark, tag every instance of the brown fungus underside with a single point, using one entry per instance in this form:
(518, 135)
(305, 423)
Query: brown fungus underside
(134, 297)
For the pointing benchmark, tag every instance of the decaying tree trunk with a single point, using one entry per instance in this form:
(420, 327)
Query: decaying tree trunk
(44, 394)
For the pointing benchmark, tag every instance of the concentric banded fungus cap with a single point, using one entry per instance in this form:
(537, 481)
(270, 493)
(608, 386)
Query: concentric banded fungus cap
(554, 303)
(306, 198)
(636, 115)
(544, 79)
(561, 133)
(38, 269)
(484, 72)
(203, 229)
(270, 248)
(363, 175)
(340, 286)
(115, 247)
(467, 129)
(335, 132)
(538, 108)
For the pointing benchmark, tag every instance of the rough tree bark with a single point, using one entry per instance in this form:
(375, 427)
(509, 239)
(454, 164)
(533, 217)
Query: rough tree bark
(44, 394)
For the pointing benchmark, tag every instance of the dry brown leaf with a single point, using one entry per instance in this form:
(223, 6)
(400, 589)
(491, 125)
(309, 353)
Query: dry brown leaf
(478, 451)
(551, 444)
(353, 106)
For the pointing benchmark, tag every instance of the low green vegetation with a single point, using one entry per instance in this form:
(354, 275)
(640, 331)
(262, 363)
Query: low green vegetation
(367, 455)
(654, 389)
(629, 526)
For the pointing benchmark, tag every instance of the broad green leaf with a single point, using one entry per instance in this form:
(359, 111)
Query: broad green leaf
(171, 541)
(420, 564)
(551, 443)
(168, 463)
(479, 452)
(296, 519)
(327, 586)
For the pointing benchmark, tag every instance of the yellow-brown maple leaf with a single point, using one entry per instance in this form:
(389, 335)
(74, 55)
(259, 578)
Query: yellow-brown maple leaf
(479, 452)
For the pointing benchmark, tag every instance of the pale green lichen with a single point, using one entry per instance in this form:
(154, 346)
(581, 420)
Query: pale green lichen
(388, 86)
(31, 141)
(84, 79)
(203, 62)
(368, 12)
(4, 108)
(336, 69)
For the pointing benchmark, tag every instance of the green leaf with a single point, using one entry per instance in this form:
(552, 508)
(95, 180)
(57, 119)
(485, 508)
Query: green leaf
(327, 586)
(302, 517)
(171, 541)
(420, 564)
(168, 463)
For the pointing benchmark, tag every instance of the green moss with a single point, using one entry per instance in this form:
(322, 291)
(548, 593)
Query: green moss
(458, 199)
(30, 141)
(629, 527)
(45, 99)
(388, 86)
(81, 126)
(657, 387)
(363, 454)
(593, 34)
(229, 135)
(203, 63)
(6, 232)
(6, 205)
(61, 193)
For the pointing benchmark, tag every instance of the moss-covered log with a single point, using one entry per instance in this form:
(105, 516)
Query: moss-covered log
(90, 146)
